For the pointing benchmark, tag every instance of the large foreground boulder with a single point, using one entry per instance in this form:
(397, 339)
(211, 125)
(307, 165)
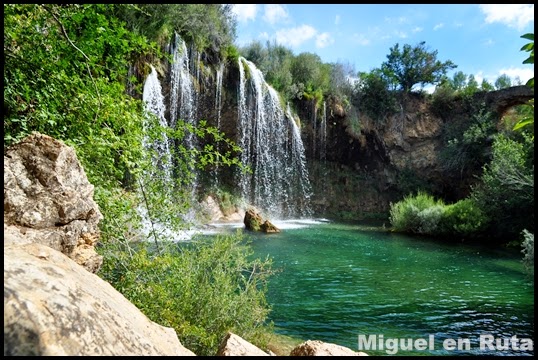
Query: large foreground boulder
(49, 200)
(320, 348)
(52, 306)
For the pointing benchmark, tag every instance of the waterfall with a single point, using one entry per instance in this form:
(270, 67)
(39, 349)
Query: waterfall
(218, 93)
(271, 147)
(323, 134)
(154, 104)
(298, 166)
(182, 95)
(183, 100)
(218, 110)
(314, 130)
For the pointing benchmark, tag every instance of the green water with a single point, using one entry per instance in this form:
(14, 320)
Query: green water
(338, 281)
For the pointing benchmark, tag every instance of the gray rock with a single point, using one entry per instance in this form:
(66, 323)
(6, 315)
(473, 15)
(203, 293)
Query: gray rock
(49, 200)
(52, 306)
(234, 345)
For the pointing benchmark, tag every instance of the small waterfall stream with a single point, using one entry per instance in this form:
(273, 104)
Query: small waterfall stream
(218, 110)
(272, 148)
(154, 104)
(323, 134)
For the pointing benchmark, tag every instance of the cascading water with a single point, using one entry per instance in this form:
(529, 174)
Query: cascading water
(218, 110)
(323, 134)
(154, 104)
(183, 102)
(271, 148)
(298, 167)
(182, 94)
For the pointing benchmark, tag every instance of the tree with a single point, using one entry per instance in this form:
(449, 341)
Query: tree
(503, 82)
(529, 47)
(415, 65)
(459, 80)
(486, 86)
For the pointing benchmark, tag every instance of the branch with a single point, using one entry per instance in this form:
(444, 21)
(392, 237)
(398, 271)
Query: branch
(153, 231)
(82, 52)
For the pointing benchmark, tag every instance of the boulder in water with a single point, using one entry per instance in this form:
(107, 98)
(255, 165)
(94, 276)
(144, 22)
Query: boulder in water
(254, 222)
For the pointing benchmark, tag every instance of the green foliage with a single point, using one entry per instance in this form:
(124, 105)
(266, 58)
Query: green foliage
(529, 47)
(503, 82)
(443, 101)
(341, 84)
(464, 218)
(467, 146)
(528, 251)
(202, 289)
(417, 214)
(414, 65)
(423, 214)
(64, 72)
(486, 86)
(409, 181)
(459, 80)
(211, 27)
(374, 97)
(506, 190)
(231, 53)
(65, 75)
(228, 203)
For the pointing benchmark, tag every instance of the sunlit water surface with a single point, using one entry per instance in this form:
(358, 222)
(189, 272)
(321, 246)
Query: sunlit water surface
(338, 281)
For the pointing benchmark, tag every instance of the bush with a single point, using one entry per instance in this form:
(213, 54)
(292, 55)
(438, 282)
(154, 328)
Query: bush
(464, 218)
(422, 214)
(202, 289)
(429, 219)
(442, 101)
(416, 214)
(528, 251)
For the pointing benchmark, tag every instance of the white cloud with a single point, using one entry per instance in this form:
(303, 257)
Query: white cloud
(264, 35)
(402, 20)
(512, 15)
(438, 26)
(274, 13)
(417, 29)
(244, 12)
(295, 36)
(360, 39)
(323, 40)
(479, 77)
(489, 42)
(524, 74)
(337, 20)
(429, 88)
(400, 34)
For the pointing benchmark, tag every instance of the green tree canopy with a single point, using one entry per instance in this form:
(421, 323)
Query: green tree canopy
(503, 82)
(414, 65)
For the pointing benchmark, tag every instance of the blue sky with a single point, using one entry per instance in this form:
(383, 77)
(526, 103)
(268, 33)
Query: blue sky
(483, 40)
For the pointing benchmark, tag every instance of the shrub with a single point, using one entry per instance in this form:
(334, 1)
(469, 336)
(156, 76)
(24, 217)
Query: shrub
(202, 289)
(528, 250)
(464, 218)
(429, 219)
(416, 214)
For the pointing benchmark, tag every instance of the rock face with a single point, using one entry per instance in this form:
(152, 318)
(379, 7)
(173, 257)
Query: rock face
(48, 199)
(254, 222)
(52, 306)
(234, 345)
(320, 348)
